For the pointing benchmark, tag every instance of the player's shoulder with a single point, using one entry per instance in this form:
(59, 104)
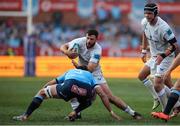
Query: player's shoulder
(97, 46)
(163, 24)
(144, 22)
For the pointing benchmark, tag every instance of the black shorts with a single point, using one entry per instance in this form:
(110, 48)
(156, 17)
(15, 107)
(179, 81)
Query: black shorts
(72, 88)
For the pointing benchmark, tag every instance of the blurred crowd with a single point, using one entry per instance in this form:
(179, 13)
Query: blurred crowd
(119, 35)
(115, 35)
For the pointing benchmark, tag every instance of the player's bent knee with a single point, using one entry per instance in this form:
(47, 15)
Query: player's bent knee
(141, 77)
(111, 98)
(47, 92)
(41, 92)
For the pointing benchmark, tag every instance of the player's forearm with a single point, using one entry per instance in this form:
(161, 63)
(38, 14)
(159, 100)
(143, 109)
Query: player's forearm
(144, 42)
(171, 49)
(104, 98)
(52, 82)
(64, 48)
(82, 106)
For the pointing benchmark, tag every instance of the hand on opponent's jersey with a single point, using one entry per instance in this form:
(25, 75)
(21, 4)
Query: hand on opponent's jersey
(75, 64)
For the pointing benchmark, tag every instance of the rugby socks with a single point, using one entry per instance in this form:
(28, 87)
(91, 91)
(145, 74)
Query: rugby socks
(168, 92)
(75, 104)
(129, 111)
(36, 102)
(173, 98)
(147, 82)
(163, 98)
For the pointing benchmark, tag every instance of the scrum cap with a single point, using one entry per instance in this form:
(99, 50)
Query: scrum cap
(151, 7)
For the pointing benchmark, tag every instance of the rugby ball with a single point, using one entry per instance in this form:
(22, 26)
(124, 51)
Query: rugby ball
(73, 51)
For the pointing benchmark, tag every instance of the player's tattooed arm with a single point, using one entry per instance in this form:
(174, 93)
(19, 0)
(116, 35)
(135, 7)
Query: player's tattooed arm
(106, 102)
(90, 67)
(172, 48)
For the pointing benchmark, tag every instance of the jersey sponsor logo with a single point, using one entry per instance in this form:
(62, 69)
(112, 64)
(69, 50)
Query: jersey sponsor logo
(62, 84)
(169, 32)
(97, 56)
(99, 78)
(65, 96)
(161, 69)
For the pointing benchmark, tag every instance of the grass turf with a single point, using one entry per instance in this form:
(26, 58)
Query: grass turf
(17, 93)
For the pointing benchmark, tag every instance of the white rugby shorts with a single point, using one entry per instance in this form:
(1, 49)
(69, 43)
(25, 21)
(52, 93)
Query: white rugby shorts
(98, 76)
(159, 70)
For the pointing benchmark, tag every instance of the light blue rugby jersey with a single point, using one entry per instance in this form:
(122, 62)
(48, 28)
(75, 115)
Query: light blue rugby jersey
(79, 75)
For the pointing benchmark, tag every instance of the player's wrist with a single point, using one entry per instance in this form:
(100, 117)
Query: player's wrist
(143, 51)
(65, 52)
(111, 112)
(163, 55)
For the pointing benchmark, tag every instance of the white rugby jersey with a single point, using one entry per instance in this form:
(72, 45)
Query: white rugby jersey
(157, 35)
(88, 55)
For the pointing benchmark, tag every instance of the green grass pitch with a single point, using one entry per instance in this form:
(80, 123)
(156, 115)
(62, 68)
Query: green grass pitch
(17, 93)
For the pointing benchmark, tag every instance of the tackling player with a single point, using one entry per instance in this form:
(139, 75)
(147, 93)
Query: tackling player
(175, 93)
(162, 44)
(75, 83)
(89, 56)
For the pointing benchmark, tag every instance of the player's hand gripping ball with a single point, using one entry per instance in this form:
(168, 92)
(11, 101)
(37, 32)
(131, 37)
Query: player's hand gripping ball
(73, 52)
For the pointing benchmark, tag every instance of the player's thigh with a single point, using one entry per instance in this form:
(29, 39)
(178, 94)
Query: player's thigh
(106, 89)
(99, 79)
(163, 67)
(168, 82)
(177, 85)
(51, 91)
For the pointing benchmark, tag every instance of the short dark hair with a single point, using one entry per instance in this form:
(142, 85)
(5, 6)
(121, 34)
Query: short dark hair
(93, 32)
(82, 67)
(152, 7)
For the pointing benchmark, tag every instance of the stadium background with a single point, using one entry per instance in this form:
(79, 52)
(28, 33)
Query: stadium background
(55, 22)
(29, 55)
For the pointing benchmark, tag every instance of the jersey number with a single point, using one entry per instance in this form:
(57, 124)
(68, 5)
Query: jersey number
(79, 91)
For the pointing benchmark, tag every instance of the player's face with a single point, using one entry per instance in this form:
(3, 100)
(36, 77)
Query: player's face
(91, 40)
(149, 16)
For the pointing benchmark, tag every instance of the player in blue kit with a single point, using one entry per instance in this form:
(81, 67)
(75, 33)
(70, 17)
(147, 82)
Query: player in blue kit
(76, 83)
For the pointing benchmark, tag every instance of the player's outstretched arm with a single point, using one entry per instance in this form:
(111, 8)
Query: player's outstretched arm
(90, 67)
(52, 82)
(106, 102)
